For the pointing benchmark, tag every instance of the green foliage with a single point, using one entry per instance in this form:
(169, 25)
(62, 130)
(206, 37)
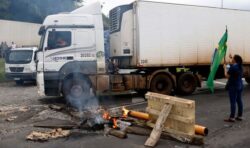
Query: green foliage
(34, 10)
(2, 71)
(4, 6)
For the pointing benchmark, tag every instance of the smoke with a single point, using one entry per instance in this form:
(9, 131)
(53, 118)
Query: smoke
(82, 98)
(81, 94)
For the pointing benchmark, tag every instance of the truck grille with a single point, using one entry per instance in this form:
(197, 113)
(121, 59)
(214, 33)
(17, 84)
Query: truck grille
(115, 19)
(16, 69)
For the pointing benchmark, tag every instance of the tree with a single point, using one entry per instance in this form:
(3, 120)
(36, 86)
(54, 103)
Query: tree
(34, 10)
(4, 6)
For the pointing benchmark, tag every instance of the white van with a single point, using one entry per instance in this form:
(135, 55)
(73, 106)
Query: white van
(20, 64)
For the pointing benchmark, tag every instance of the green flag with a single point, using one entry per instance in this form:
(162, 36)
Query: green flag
(218, 56)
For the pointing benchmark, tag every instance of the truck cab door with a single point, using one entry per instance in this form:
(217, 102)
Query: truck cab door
(57, 50)
(84, 42)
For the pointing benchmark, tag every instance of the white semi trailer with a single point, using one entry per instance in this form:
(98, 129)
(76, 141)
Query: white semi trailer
(169, 46)
(23, 34)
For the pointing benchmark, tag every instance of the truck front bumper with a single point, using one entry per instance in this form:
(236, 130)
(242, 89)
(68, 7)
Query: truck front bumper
(21, 76)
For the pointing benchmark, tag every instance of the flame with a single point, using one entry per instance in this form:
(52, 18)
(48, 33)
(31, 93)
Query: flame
(115, 123)
(106, 116)
(124, 112)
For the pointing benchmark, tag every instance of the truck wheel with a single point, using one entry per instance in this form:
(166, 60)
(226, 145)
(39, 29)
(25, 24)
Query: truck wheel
(77, 91)
(19, 82)
(247, 80)
(162, 84)
(186, 84)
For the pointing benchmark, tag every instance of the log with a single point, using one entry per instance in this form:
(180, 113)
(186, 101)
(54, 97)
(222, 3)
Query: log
(114, 132)
(118, 133)
(138, 130)
(156, 133)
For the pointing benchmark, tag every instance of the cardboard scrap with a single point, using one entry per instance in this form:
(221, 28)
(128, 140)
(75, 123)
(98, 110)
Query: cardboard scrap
(24, 109)
(12, 118)
(45, 136)
(56, 107)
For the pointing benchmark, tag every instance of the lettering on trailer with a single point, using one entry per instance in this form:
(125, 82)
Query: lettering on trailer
(87, 55)
(144, 61)
(62, 58)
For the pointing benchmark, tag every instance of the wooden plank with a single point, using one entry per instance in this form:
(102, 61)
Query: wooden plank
(181, 117)
(155, 113)
(177, 110)
(170, 100)
(180, 136)
(156, 133)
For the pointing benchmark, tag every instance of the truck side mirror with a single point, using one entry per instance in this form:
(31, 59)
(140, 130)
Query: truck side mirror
(41, 30)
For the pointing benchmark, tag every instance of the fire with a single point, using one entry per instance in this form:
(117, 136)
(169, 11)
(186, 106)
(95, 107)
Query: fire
(115, 123)
(124, 112)
(106, 116)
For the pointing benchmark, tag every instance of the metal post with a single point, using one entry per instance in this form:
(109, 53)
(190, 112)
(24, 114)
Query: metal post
(221, 3)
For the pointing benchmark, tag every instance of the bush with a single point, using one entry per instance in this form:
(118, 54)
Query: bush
(2, 71)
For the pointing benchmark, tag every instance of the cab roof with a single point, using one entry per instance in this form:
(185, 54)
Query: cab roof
(26, 48)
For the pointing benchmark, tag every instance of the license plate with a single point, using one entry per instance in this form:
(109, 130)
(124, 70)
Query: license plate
(16, 79)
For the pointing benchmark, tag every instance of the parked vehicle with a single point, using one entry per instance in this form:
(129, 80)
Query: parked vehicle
(20, 64)
(23, 34)
(169, 48)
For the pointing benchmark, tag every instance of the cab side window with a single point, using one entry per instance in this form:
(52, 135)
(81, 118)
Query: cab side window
(59, 39)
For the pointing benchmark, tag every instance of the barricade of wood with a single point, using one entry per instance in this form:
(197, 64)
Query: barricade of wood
(173, 116)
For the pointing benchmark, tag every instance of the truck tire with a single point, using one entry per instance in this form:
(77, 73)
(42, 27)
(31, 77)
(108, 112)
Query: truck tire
(186, 84)
(247, 80)
(19, 82)
(77, 91)
(162, 83)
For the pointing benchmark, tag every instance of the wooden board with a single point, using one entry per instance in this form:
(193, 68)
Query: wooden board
(159, 125)
(182, 116)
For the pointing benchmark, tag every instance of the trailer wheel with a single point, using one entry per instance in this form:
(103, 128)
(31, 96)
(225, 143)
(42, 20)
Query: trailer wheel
(77, 91)
(247, 80)
(162, 84)
(186, 84)
(19, 82)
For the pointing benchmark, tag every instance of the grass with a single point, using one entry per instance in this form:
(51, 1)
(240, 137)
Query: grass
(2, 71)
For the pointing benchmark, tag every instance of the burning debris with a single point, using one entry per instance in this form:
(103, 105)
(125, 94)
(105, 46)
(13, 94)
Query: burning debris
(118, 122)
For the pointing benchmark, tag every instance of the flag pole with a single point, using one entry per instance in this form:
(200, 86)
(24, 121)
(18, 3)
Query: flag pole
(226, 51)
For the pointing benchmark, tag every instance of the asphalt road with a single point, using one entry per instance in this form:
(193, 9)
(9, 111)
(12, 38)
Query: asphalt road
(211, 109)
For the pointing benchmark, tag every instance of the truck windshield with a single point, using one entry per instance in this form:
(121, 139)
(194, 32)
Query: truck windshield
(19, 57)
